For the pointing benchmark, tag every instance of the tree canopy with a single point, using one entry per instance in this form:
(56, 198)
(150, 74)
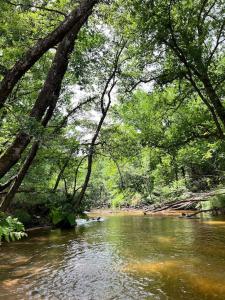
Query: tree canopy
(109, 103)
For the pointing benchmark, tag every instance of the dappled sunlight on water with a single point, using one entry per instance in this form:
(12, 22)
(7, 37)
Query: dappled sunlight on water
(165, 239)
(161, 267)
(188, 271)
(207, 286)
(10, 283)
(215, 223)
(125, 257)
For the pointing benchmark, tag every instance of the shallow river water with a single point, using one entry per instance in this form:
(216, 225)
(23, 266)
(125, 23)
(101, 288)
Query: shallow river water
(124, 257)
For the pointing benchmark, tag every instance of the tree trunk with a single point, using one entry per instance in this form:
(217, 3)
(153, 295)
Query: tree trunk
(75, 189)
(47, 98)
(43, 45)
(90, 158)
(214, 99)
(106, 91)
(5, 203)
(53, 84)
(59, 177)
(214, 104)
(13, 153)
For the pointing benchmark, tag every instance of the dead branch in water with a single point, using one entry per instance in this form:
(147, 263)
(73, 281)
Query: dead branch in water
(214, 209)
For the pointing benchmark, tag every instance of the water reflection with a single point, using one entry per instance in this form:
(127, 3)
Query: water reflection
(125, 257)
(215, 223)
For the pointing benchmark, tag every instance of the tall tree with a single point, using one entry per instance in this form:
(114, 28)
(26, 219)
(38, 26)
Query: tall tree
(107, 90)
(12, 76)
(181, 41)
(47, 97)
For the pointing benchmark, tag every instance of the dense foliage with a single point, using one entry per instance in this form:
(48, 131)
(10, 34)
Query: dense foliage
(125, 108)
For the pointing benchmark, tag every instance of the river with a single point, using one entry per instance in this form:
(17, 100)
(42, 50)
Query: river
(124, 257)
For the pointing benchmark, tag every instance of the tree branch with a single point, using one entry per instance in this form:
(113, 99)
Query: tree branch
(73, 111)
(37, 7)
(33, 54)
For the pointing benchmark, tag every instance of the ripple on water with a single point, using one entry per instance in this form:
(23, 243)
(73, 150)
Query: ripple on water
(132, 257)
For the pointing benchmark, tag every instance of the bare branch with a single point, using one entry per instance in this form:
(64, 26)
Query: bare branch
(72, 112)
(218, 42)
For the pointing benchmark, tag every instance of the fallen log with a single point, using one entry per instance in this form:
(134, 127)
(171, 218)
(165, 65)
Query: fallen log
(175, 205)
(183, 204)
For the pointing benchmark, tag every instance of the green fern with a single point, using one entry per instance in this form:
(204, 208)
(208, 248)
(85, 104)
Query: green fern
(11, 229)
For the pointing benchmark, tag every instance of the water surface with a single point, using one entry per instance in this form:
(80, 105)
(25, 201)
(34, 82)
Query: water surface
(124, 257)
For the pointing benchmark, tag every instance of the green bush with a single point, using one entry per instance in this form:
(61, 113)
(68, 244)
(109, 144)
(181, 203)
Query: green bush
(118, 200)
(62, 218)
(215, 201)
(23, 216)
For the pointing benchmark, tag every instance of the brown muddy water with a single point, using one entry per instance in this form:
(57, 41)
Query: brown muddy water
(124, 257)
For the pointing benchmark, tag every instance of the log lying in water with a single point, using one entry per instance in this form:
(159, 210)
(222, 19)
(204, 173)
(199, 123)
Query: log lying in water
(215, 210)
(183, 204)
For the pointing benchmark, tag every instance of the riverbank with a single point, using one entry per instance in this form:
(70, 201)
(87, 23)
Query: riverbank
(135, 211)
(95, 213)
(190, 204)
(39, 216)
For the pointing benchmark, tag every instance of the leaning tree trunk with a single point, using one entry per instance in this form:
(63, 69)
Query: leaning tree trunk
(214, 99)
(43, 45)
(211, 100)
(48, 97)
(62, 170)
(5, 203)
